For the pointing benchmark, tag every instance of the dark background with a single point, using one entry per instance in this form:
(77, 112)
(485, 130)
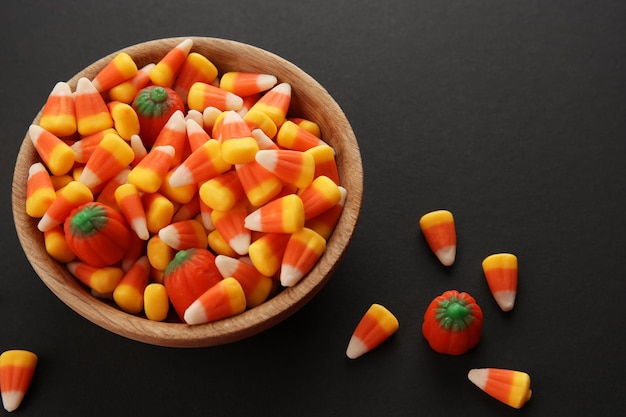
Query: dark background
(510, 114)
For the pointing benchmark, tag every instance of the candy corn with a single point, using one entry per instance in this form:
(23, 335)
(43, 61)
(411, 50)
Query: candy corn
(184, 234)
(224, 299)
(196, 68)
(174, 133)
(202, 95)
(59, 114)
(238, 145)
(100, 279)
(292, 136)
(320, 196)
(308, 125)
(303, 250)
(107, 193)
(440, 234)
(84, 147)
(55, 154)
(259, 185)
(231, 225)
(121, 68)
(40, 192)
(149, 173)
(127, 90)
(222, 192)
(128, 294)
(56, 245)
(110, 157)
(196, 135)
(68, 198)
(325, 163)
(501, 273)
(256, 119)
(203, 164)
(246, 83)
(165, 71)
(182, 194)
(129, 201)
(159, 211)
(292, 167)
(16, 372)
(266, 252)
(283, 215)
(219, 245)
(508, 386)
(325, 223)
(92, 114)
(376, 326)
(256, 286)
(275, 103)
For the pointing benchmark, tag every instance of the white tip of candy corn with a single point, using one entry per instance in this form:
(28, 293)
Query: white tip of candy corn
(240, 243)
(356, 348)
(195, 313)
(181, 176)
(289, 276)
(505, 299)
(12, 399)
(446, 255)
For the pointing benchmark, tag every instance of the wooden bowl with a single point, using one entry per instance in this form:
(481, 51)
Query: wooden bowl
(309, 100)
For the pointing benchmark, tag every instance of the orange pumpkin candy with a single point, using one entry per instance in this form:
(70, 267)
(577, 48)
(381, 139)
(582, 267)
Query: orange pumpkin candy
(97, 234)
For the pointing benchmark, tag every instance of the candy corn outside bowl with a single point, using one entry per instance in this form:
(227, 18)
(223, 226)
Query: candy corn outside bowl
(310, 101)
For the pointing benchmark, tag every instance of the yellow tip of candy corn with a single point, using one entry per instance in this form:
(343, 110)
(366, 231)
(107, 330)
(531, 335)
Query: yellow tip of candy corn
(508, 386)
(376, 326)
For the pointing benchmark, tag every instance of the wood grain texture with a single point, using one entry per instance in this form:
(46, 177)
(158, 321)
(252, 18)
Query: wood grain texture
(309, 100)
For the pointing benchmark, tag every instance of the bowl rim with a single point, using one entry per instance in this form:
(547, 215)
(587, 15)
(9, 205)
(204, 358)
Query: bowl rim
(255, 320)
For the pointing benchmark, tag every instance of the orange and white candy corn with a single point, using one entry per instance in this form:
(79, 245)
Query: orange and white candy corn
(440, 234)
(159, 211)
(196, 135)
(325, 223)
(103, 280)
(56, 245)
(224, 299)
(291, 167)
(149, 173)
(55, 154)
(112, 155)
(128, 294)
(376, 326)
(303, 250)
(17, 367)
(184, 234)
(256, 286)
(501, 273)
(59, 114)
(201, 165)
(282, 215)
(127, 90)
(508, 386)
(325, 163)
(222, 192)
(266, 252)
(174, 133)
(238, 145)
(84, 147)
(129, 201)
(259, 185)
(121, 68)
(107, 193)
(40, 192)
(321, 195)
(275, 103)
(202, 95)
(68, 198)
(165, 71)
(292, 136)
(196, 68)
(231, 225)
(92, 113)
(246, 83)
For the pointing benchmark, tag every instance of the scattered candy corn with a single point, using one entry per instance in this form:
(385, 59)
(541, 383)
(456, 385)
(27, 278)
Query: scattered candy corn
(376, 326)
(508, 386)
(16, 372)
(501, 273)
(440, 234)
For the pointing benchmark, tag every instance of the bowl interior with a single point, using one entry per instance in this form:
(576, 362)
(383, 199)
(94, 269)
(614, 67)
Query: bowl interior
(309, 100)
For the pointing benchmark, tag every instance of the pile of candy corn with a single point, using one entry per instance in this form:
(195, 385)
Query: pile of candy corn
(217, 163)
(511, 387)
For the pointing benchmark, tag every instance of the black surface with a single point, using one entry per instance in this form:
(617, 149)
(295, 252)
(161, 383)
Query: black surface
(510, 114)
